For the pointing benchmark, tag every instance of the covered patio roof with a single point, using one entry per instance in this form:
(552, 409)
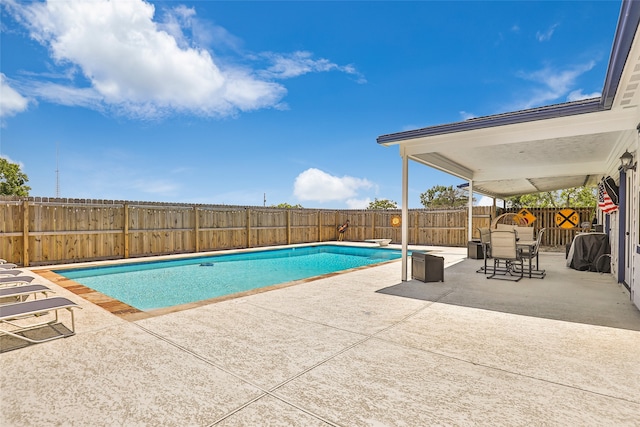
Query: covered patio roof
(541, 149)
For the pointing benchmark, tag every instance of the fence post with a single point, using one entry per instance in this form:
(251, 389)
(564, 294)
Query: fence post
(319, 226)
(373, 224)
(288, 226)
(25, 233)
(196, 228)
(125, 230)
(248, 228)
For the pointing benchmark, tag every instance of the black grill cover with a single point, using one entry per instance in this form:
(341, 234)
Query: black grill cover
(590, 252)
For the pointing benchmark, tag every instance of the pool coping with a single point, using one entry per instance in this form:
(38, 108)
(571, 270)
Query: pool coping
(130, 313)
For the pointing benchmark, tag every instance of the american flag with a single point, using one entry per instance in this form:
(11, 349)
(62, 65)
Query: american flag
(604, 201)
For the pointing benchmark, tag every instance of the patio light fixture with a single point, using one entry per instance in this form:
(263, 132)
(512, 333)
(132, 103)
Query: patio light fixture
(626, 161)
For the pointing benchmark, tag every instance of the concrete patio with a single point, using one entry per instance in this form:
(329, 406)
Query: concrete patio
(354, 349)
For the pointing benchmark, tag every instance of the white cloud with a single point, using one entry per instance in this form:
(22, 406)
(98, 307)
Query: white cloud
(577, 95)
(553, 84)
(299, 63)
(137, 68)
(133, 65)
(543, 36)
(466, 115)
(11, 102)
(358, 203)
(316, 185)
(65, 95)
(8, 159)
(182, 23)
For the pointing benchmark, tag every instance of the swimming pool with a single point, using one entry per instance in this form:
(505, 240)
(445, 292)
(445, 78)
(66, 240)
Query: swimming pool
(161, 284)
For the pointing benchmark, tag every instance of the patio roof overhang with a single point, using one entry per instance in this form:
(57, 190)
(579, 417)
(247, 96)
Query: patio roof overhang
(541, 149)
(530, 157)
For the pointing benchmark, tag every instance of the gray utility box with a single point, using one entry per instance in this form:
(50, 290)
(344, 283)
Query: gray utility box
(427, 268)
(474, 249)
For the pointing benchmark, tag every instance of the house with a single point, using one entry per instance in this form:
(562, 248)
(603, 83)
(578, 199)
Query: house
(551, 148)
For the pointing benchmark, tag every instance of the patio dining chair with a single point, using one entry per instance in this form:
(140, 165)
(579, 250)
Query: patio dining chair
(531, 252)
(504, 249)
(524, 233)
(485, 242)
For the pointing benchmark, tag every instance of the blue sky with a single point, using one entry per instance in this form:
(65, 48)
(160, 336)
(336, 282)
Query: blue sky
(224, 102)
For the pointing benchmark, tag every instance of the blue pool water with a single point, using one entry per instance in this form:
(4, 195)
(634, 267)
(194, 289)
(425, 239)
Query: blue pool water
(152, 285)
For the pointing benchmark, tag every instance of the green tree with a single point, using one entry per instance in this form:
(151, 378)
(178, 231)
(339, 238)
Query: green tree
(440, 196)
(12, 179)
(577, 197)
(382, 204)
(580, 197)
(287, 206)
(545, 199)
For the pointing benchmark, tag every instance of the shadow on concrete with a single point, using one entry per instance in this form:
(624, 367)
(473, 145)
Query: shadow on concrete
(9, 343)
(564, 294)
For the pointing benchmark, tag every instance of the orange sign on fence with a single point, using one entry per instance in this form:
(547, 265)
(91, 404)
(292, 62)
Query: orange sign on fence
(528, 217)
(567, 218)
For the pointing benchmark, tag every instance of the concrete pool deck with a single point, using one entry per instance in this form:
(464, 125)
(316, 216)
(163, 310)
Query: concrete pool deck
(354, 349)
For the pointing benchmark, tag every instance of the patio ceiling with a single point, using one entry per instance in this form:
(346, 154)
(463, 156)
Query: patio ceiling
(543, 149)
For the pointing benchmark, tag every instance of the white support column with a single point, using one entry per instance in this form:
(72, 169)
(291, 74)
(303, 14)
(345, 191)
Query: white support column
(405, 212)
(470, 220)
(494, 211)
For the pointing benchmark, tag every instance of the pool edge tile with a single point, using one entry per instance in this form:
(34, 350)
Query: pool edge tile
(108, 303)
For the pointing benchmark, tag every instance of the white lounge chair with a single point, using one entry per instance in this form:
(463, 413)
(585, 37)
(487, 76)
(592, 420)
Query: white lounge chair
(7, 266)
(10, 272)
(15, 280)
(21, 293)
(11, 313)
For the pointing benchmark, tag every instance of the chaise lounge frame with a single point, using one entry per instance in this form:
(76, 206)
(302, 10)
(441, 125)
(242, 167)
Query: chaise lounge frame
(10, 313)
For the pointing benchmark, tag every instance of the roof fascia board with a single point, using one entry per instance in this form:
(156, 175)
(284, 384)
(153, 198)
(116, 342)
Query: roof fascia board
(596, 123)
(623, 40)
(536, 114)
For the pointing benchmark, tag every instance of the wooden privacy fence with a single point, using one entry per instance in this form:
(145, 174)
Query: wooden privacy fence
(39, 231)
